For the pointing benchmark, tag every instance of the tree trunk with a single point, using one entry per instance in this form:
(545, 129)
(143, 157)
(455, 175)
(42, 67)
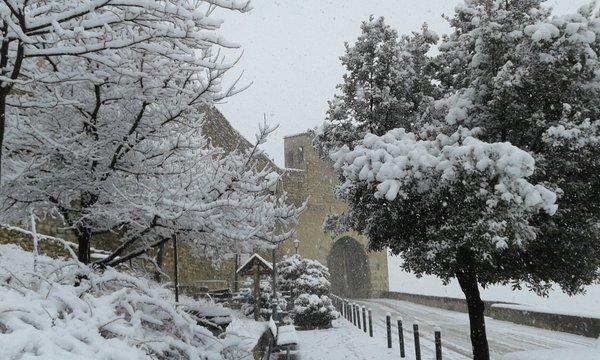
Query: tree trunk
(468, 284)
(256, 293)
(2, 125)
(159, 262)
(84, 237)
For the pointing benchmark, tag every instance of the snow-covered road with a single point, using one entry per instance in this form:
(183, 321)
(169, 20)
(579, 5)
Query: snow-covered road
(504, 337)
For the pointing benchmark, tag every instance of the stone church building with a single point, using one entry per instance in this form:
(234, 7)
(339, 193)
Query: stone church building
(355, 273)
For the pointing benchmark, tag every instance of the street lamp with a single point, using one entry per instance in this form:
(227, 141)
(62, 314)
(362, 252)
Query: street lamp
(296, 244)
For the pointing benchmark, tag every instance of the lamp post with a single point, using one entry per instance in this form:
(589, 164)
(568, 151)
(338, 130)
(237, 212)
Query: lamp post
(296, 244)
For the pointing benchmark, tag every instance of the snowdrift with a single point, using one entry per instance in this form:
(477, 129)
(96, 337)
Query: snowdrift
(57, 309)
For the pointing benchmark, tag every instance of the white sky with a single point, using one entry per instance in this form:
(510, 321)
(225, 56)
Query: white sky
(292, 50)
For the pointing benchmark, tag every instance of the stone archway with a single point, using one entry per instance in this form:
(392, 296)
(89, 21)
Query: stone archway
(349, 268)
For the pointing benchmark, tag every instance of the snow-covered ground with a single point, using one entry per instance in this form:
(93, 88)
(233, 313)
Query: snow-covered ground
(246, 330)
(507, 341)
(345, 342)
(504, 337)
(57, 309)
(583, 305)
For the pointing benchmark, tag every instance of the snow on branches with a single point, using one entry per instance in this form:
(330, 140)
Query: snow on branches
(38, 35)
(172, 181)
(399, 164)
(111, 141)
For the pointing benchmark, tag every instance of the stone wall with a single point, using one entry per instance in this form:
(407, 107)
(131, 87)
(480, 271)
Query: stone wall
(309, 176)
(578, 325)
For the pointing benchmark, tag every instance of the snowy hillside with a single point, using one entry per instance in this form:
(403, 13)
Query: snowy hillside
(110, 315)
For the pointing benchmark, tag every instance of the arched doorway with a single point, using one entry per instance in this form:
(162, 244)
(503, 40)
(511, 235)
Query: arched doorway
(349, 268)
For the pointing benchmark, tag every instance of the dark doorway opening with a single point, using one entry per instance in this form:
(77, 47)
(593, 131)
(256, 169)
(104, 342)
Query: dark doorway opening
(349, 268)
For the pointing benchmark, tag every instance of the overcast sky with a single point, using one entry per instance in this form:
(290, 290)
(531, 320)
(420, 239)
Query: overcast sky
(292, 50)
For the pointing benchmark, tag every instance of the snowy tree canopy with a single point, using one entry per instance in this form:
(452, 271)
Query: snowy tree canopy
(533, 81)
(499, 163)
(496, 179)
(37, 34)
(113, 144)
(387, 82)
(442, 182)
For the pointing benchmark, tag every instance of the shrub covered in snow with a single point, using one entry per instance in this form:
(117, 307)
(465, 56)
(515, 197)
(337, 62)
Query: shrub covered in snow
(299, 276)
(109, 315)
(313, 311)
(308, 282)
(266, 299)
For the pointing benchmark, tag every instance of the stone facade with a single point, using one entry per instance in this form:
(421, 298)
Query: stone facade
(310, 177)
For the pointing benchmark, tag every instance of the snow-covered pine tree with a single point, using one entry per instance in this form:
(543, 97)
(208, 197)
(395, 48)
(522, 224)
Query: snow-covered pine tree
(539, 91)
(299, 275)
(308, 282)
(459, 197)
(386, 84)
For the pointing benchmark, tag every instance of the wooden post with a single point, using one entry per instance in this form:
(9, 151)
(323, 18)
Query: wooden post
(417, 342)
(274, 311)
(438, 343)
(176, 267)
(347, 305)
(364, 319)
(256, 293)
(236, 264)
(401, 337)
(349, 311)
(388, 324)
(354, 314)
(370, 323)
(274, 273)
(346, 309)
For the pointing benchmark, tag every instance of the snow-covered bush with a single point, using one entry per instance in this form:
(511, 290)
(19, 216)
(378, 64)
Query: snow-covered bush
(313, 311)
(266, 299)
(300, 276)
(308, 282)
(109, 315)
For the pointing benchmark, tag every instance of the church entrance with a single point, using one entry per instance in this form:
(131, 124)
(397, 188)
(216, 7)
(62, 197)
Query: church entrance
(348, 265)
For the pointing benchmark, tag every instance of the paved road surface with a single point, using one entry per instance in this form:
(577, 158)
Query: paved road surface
(504, 337)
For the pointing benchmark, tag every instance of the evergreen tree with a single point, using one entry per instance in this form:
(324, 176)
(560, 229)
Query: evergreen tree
(386, 84)
(498, 182)
(299, 275)
(308, 282)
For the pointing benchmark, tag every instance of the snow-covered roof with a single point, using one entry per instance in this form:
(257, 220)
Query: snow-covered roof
(255, 259)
